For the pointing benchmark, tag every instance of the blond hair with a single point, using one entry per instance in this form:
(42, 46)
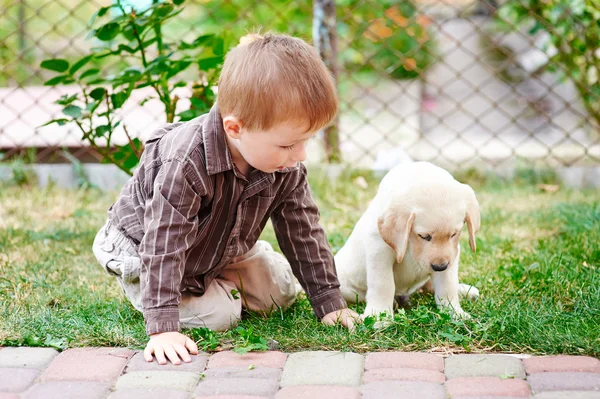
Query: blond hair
(270, 79)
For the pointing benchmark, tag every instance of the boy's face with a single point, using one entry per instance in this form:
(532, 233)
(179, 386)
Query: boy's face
(282, 146)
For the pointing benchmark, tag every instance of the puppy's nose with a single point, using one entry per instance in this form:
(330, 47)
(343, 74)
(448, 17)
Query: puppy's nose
(439, 267)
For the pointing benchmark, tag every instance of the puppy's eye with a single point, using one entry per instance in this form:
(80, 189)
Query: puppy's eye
(425, 237)
(453, 235)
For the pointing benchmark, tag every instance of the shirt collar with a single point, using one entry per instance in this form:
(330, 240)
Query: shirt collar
(216, 151)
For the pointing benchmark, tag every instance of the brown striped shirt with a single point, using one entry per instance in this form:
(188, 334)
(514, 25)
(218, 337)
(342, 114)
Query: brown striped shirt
(189, 211)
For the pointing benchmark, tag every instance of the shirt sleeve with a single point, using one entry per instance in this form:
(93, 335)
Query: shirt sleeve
(303, 242)
(170, 225)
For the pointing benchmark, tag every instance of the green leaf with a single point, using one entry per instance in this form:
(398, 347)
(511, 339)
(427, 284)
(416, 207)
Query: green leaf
(79, 64)
(55, 64)
(210, 63)
(56, 80)
(108, 32)
(162, 10)
(59, 121)
(102, 130)
(72, 111)
(98, 93)
(178, 2)
(100, 13)
(89, 72)
(188, 115)
(66, 100)
(118, 99)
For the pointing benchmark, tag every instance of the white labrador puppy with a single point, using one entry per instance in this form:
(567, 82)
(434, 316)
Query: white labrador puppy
(408, 236)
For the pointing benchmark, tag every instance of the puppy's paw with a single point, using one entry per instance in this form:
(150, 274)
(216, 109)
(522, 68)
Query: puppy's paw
(468, 291)
(460, 315)
(381, 324)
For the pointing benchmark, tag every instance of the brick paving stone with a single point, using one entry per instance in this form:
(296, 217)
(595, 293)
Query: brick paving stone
(487, 397)
(567, 395)
(88, 364)
(416, 360)
(237, 386)
(322, 368)
(484, 365)
(487, 386)
(318, 392)
(403, 374)
(564, 382)
(68, 390)
(560, 363)
(402, 389)
(263, 359)
(179, 380)
(232, 397)
(149, 393)
(27, 358)
(6, 395)
(16, 379)
(244, 372)
(138, 363)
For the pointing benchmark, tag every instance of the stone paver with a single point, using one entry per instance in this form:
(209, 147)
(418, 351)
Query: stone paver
(323, 368)
(244, 372)
(87, 364)
(552, 381)
(116, 373)
(138, 363)
(404, 390)
(68, 390)
(318, 392)
(149, 393)
(179, 380)
(561, 363)
(484, 366)
(27, 358)
(16, 379)
(567, 395)
(232, 397)
(402, 374)
(417, 360)
(237, 386)
(262, 359)
(487, 386)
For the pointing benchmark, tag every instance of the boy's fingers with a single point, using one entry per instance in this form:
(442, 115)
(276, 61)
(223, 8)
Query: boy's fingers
(183, 353)
(191, 346)
(148, 354)
(327, 321)
(160, 355)
(172, 355)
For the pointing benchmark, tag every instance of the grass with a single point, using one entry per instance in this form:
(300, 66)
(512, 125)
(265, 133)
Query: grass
(537, 268)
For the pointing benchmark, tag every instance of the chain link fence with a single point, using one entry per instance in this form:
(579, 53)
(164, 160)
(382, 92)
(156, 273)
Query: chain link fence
(456, 82)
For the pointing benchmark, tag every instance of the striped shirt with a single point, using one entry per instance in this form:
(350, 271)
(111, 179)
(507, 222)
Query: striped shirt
(189, 212)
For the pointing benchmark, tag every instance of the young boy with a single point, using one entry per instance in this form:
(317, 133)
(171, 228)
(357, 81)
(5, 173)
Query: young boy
(182, 238)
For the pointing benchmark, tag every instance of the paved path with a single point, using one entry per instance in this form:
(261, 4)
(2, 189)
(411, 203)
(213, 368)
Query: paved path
(117, 373)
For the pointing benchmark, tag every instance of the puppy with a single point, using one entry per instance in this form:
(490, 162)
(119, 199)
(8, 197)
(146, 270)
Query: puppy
(408, 236)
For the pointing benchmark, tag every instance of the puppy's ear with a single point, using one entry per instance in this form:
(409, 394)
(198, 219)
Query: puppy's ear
(472, 217)
(394, 227)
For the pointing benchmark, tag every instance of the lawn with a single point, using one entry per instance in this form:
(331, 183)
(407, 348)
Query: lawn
(537, 267)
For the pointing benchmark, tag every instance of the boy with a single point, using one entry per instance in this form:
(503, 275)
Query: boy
(182, 238)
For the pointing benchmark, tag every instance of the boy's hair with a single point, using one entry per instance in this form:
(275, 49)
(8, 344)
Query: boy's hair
(270, 79)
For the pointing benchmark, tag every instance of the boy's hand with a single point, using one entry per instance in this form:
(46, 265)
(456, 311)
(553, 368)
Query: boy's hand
(347, 317)
(172, 344)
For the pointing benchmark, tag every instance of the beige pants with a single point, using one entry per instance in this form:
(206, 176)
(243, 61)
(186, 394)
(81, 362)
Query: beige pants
(262, 278)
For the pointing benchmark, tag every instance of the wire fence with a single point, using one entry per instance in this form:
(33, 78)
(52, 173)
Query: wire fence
(457, 82)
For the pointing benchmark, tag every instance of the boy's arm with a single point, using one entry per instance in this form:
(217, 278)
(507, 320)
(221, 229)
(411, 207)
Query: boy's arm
(170, 227)
(303, 241)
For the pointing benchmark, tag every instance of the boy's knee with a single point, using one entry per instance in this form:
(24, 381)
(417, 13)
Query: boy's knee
(217, 309)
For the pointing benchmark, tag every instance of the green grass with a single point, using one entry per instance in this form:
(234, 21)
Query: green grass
(537, 268)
